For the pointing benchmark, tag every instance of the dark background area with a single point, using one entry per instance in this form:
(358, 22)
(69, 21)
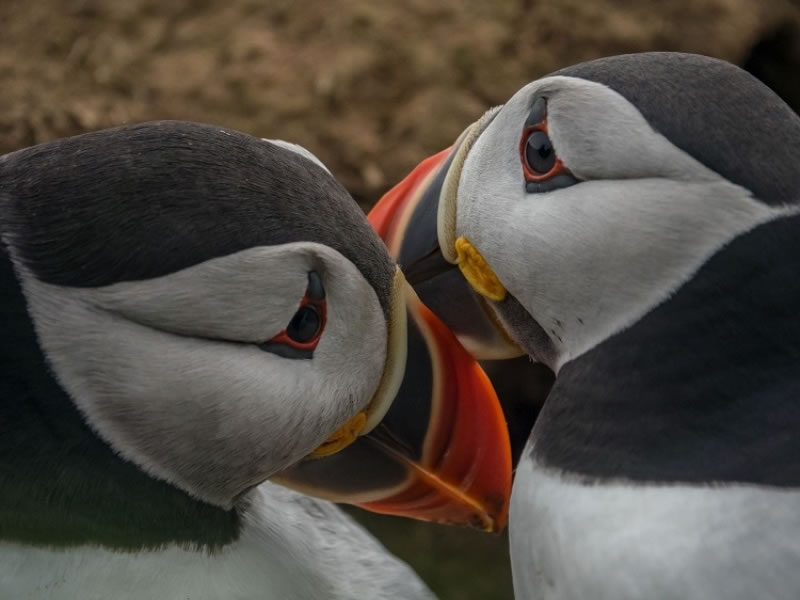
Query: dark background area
(371, 87)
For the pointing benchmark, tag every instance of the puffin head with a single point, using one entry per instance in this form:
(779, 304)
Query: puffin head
(214, 310)
(588, 198)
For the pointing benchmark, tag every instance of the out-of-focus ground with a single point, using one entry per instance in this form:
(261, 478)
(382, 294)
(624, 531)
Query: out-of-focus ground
(371, 87)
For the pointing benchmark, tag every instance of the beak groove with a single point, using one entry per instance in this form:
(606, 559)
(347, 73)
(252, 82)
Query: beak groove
(417, 221)
(428, 267)
(484, 515)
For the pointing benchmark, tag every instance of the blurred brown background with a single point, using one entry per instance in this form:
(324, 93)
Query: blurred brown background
(371, 87)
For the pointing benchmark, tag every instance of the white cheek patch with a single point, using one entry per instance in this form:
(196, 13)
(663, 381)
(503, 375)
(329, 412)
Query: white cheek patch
(212, 417)
(591, 259)
(351, 354)
(602, 254)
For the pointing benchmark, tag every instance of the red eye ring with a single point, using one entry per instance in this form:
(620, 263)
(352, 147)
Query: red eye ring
(321, 309)
(532, 176)
(300, 337)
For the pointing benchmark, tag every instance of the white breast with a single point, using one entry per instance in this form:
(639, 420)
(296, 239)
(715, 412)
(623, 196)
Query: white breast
(623, 541)
(292, 548)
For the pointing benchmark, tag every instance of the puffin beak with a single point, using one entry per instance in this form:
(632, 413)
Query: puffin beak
(434, 444)
(416, 220)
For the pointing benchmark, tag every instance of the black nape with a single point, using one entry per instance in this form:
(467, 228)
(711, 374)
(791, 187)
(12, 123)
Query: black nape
(64, 486)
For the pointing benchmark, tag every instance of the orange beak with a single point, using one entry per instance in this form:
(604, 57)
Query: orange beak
(407, 218)
(463, 473)
(441, 452)
(390, 216)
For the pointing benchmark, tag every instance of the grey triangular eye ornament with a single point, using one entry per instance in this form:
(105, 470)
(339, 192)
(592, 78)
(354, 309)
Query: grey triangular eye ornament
(542, 168)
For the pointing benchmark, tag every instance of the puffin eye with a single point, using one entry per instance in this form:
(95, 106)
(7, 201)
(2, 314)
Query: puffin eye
(302, 334)
(541, 166)
(305, 324)
(540, 157)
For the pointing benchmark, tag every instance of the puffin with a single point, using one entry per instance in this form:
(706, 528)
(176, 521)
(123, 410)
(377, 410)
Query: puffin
(200, 329)
(633, 223)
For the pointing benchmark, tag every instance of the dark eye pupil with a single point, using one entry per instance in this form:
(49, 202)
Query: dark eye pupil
(305, 324)
(539, 153)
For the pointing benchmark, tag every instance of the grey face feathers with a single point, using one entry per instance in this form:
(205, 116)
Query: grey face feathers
(573, 255)
(156, 263)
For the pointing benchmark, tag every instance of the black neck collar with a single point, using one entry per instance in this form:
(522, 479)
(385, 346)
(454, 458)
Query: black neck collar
(706, 387)
(63, 486)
